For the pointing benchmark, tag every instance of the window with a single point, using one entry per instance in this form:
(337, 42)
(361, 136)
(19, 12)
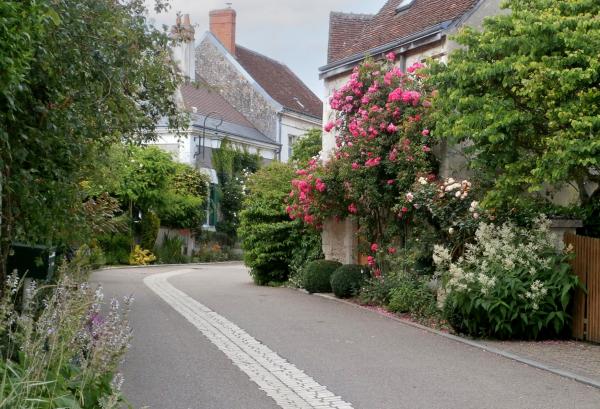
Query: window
(291, 141)
(404, 5)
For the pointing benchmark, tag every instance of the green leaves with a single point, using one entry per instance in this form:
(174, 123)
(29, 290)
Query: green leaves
(525, 95)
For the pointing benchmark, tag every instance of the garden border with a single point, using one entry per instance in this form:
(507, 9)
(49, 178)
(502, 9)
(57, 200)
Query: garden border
(167, 265)
(530, 362)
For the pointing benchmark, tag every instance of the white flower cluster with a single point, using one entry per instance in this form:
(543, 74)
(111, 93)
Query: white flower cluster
(460, 190)
(499, 251)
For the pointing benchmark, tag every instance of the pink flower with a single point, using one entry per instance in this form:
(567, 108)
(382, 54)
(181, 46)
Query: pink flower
(390, 181)
(355, 166)
(425, 132)
(308, 219)
(391, 128)
(404, 209)
(373, 162)
(391, 250)
(391, 56)
(426, 148)
(371, 261)
(352, 208)
(329, 126)
(415, 67)
(377, 273)
(393, 155)
(374, 247)
(319, 185)
(301, 172)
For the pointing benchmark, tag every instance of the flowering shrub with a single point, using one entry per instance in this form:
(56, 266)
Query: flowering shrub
(510, 283)
(60, 350)
(382, 143)
(448, 205)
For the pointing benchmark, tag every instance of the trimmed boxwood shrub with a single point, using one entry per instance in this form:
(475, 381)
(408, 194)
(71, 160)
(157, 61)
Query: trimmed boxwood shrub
(317, 275)
(347, 280)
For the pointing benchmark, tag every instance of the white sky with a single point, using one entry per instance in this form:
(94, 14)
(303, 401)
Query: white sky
(291, 31)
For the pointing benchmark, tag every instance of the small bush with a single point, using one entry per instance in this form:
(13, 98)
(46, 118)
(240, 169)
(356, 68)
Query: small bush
(141, 257)
(317, 275)
(116, 248)
(170, 250)
(347, 280)
(412, 296)
(377, 291)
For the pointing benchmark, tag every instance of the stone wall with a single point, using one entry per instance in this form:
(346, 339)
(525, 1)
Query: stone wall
(219, 71)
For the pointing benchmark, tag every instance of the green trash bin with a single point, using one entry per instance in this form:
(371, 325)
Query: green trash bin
(31, 261)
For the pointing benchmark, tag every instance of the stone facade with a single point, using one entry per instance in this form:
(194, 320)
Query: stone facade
(218, 68)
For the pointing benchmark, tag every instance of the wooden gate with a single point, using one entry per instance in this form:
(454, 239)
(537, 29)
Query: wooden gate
(586, 265)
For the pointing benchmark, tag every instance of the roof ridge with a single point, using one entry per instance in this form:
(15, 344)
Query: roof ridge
(365, 16)
(262, 55)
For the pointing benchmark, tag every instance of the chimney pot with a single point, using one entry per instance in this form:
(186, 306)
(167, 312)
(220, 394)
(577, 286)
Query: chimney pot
(222, 25)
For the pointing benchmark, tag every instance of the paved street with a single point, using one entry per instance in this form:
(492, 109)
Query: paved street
(207, 338)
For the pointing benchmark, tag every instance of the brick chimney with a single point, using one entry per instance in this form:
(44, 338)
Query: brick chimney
(222, 25)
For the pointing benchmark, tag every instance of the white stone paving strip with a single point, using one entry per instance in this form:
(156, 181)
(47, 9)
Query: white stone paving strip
(289, 386)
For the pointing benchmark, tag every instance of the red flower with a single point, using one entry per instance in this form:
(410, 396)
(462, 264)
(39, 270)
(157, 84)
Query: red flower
(391, 250)
(352, 208)
(374, 247)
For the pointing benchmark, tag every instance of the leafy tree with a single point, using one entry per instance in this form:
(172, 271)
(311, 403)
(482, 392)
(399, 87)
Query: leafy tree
(67, 96)
(307, 147)
(270, 239)
(524, 94)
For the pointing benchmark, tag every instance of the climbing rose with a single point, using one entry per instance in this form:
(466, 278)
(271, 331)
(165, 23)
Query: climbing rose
(329, 126)
(374, 247)
(352, 208)
(391, 56)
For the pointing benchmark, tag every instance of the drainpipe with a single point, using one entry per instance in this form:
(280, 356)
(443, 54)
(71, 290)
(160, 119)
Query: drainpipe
(279, 119)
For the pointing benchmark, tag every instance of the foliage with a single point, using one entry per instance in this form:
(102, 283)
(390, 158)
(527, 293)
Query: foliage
(412, 295)
(116, 247)
(510, 283)
(316, 275)
(307, 147)
(140, 256)
(90, 256)
(523, 93)
(382, 145)
(269, 238)
(182, 211)
(150, 226)
(170, 250)
(211, 252)
(232, 166)
(347, 280)
(60, 350)
(66, 98)
(308, 247)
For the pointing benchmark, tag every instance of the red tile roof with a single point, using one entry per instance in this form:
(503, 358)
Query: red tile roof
(280, 82)
(388, 25)
(344, 31)
(207, 100)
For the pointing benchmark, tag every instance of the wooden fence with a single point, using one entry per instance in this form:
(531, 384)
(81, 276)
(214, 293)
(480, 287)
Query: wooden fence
(586, 312)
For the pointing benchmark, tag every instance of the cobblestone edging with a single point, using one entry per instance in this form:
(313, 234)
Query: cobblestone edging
(527, 361)
(287, 385)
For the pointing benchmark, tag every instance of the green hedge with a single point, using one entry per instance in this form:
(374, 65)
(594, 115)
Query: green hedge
(317, 275)
(347, 280)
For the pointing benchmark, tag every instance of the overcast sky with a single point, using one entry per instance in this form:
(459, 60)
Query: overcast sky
(291, 31)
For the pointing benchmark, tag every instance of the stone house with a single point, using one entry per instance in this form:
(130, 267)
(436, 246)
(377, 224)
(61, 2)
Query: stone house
(415, 30)
(234, 93)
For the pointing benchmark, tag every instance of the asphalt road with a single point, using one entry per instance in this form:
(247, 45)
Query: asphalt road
(201, 335)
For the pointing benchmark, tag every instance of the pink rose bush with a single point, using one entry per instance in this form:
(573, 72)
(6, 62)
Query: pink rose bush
(382, 142)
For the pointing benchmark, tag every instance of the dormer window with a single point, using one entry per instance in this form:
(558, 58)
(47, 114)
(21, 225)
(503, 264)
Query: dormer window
(404, 5)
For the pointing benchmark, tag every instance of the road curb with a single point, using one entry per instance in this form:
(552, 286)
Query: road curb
(530, 362)
(168, 265)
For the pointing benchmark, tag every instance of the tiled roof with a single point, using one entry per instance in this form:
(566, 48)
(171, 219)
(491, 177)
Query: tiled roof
(207, 100)
(388, 25)
(344, 31)
(280, 82)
